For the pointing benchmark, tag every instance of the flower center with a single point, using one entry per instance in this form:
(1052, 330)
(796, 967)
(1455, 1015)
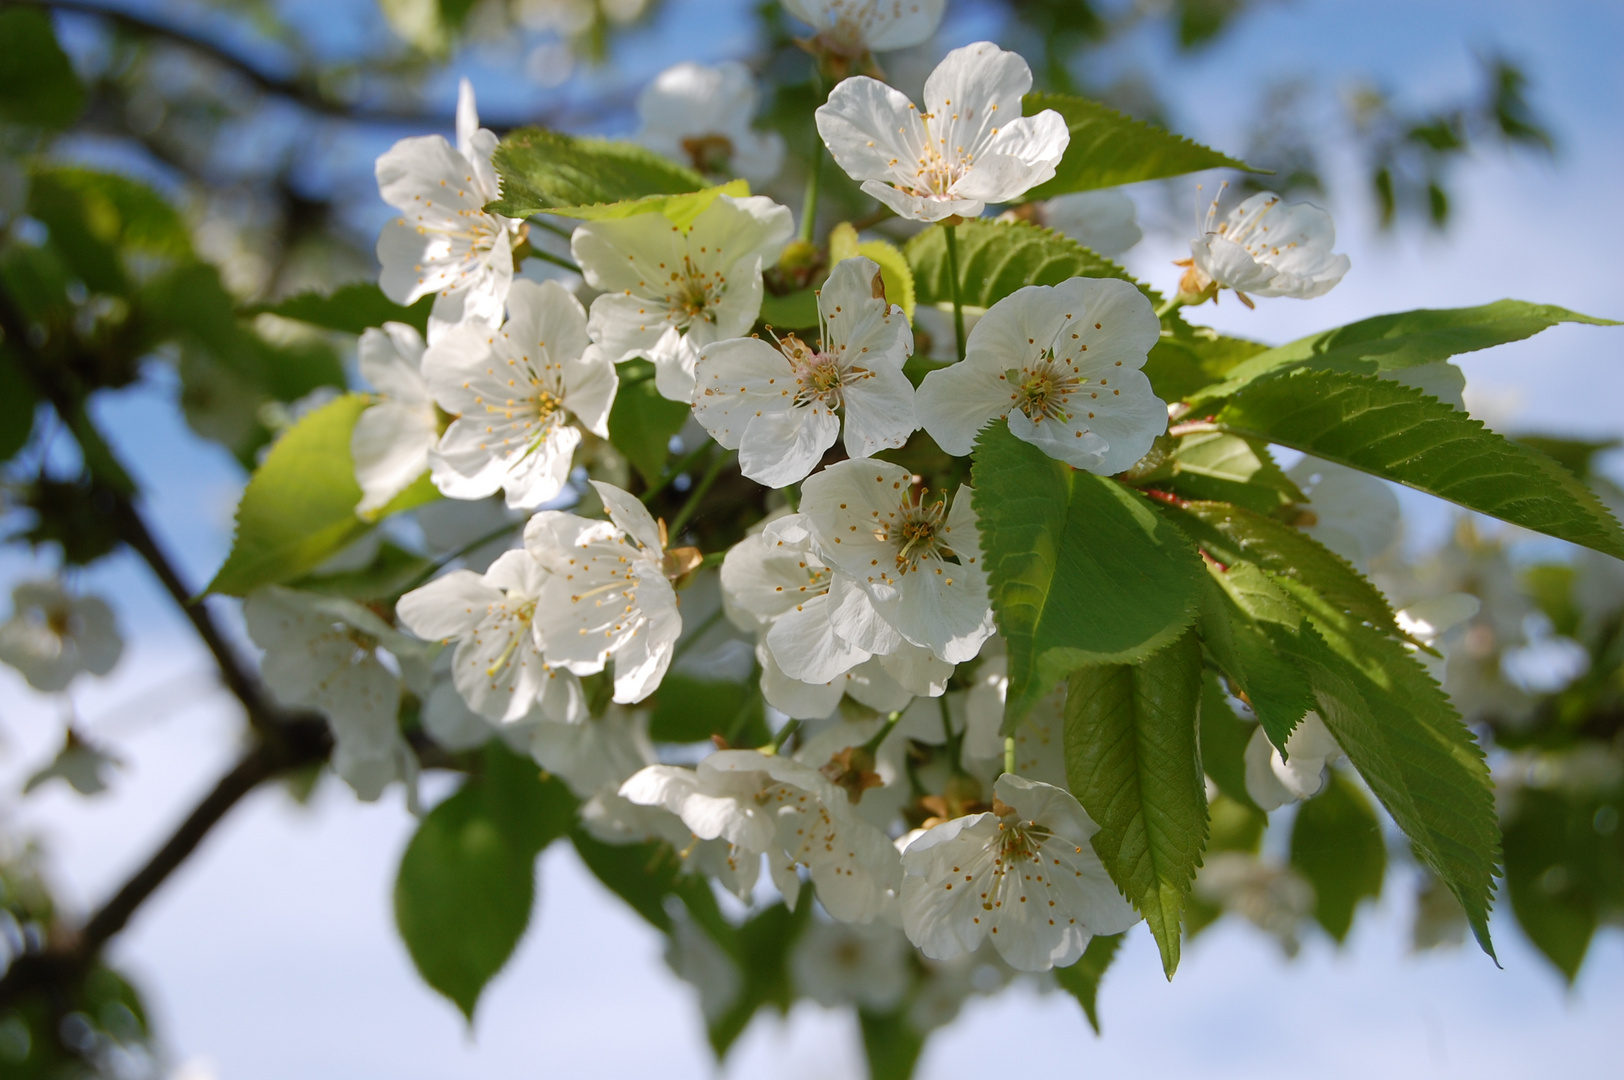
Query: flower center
(919, 532)
(939, 167)
(518, 620)
(59, 621)
(1042, 388)
(693, 295)
(818, 376)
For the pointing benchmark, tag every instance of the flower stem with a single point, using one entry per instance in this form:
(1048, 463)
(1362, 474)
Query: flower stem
(953, 283)
(782, 737)
(809, 208)
(689, 508)
(873, 745)
(1009, 753)
(684, 463)
(1170, 305)
(556, 260)
(456, 553)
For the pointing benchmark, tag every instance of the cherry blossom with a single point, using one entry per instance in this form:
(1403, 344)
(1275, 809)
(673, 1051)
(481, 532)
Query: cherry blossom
(701, 116)
(1062, 364)
(1272, 780)
(393, 436)
(444, 244)
(1264, 247)
(1023, 876)
(52, 635)
(854, 28)
(781, 407)
(515, 392)
(969, 147)
(668, 291)
(606, 593)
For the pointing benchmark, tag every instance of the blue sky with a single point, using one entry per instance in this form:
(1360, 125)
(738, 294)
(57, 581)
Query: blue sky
(272, 954)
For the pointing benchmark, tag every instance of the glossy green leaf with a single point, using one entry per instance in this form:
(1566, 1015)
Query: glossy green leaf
(1082, 979)
(642, 423)
(1404, 340)
(1337, 845)
(1133, 761)
(37, 84)
(350, 309)
(1108, 148)
(299, 506)
(1243, 614)
(545, 170)
(1082, 570)
(1398, 433)
(1218, 467)
(998, 257)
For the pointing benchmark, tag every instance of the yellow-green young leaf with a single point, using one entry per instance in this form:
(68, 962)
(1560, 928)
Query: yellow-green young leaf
(1407, 339)
(299, 506)
(1399, 433)
(680, 210)
(894, 270)
(547, 171)
(349, 308)
(1336, 843)
(1108, 148)
(1081, 569)
(1082, 979)
(1133, 761)
(998, 257)
(37, 83)
(641, 422)
(891, 1043)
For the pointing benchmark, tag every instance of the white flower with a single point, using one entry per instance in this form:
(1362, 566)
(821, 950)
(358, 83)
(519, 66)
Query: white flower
(1062, 363)
(970, 146)
(779, 407)
(515, 392)
(1351, 512)
(852, 28)
(607, 594)
(444, 243)
(915, 562)
(1103, 221)
(595, 754)
(498, 668)
(52, 636)
(762, 803)
(701, 115)
(78, 764)
(851, 964)
(1039, 752)
(1027, 879)
(1266, 247)
(668, 291)
(322, 652)
(1427, 621)
(1273, 780)
(393, 437)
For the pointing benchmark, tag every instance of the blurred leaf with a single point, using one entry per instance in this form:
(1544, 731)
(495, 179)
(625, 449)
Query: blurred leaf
(1575, 455)
(795, 311)
(75, 516)
(1082, 979)
(1398, 433)
(642, 423)
(86, 242)
(689, 710)
(1133, 761)
(349, 308)
(1200, 21)
(998, 257)
(544, 170)
(1564, 868)
(17, 404)
(763, 946)
(1550, 586)
(37, 83)
(890, 1043)
(299, 506)
(1336, 843)
(1108, 148)
(389, 573)
(1081, 569)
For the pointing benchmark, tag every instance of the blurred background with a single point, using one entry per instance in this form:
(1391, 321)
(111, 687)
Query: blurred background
(1469, 151)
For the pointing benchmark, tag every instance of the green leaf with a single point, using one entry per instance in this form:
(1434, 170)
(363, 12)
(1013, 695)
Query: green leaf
(124, 211)
(1408, 742)
(1336, 843)
(462, 897)
(1219, 467)
(1564, 868)
(1082, 570)
(17, 403)
(1399, 433)
(530, 808)
(1233, 533)
(299, 506)
(1242, 614)
(87, 244)
(1193, 358)
(1108, 148)
(688, 710)
(37, 83)
(998, 257)
(545, 170)
(894, 270)
(1223, 742)
(1575, 455)
(1133, 761)
(1082, 979)
(645, 874)
(1403, 340)
(793, 311)
(890, 1043)
(763, 946)
(642, 423)
(680, 210)
(350, 309)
